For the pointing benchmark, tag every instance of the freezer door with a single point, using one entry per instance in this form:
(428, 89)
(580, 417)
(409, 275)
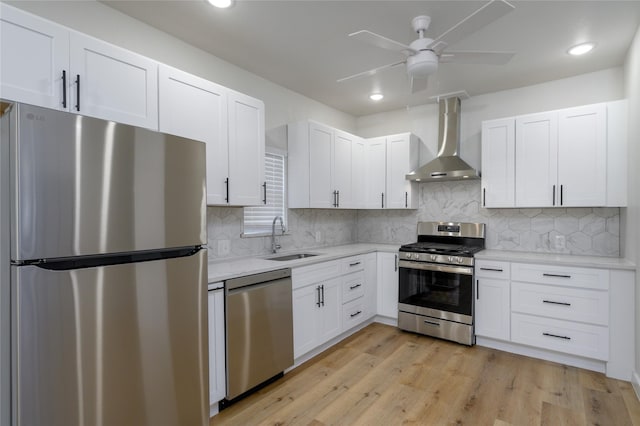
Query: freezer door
(114, 345)
(84, 186)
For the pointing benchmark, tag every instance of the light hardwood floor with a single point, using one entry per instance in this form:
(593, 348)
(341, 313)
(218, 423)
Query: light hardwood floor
(383, 376)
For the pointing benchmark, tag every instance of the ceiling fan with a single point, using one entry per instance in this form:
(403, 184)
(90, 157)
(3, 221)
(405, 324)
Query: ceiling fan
(424, 54)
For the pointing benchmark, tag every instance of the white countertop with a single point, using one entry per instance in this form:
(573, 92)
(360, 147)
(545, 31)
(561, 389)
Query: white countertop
(557, 259)
(224, 269)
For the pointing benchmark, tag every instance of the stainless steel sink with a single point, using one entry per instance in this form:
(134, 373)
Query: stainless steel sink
(292, 256)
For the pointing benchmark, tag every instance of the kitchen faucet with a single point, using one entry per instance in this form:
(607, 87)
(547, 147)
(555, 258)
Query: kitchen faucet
(274, 246)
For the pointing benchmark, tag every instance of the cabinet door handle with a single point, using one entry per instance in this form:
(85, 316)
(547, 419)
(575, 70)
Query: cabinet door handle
(556, 275)
(338, 203)
(335, 198)
(396, 268)
(406, 199)
(226, 183)
(64, 89)
(264, 187)
(318, 296)
(354, 264)
(491, 269)
(556, 303)
(432, 323)
(78, 93)
(353, 287)
(322, 292)
(553, 197)
(477, 289)
(382, 194)
(356, 314)
(484, 197)
(561, 195)
(556, 336)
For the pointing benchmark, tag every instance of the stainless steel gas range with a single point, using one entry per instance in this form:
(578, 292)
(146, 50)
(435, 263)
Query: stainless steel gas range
(436, 292)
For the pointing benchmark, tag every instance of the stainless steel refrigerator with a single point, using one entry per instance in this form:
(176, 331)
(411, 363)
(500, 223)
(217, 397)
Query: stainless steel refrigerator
(103, 289)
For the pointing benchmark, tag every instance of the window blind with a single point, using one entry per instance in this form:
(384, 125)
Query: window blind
(258, 220)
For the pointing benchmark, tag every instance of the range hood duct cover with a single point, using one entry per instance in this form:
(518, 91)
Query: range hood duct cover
(447, 165)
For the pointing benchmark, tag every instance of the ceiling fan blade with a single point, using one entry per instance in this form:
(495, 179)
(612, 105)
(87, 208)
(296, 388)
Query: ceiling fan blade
(371, 72)
(418, 84)
(381, 41)
(490, 58)
(484, 16)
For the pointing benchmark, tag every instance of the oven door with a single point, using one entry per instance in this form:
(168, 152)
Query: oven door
(439, 291)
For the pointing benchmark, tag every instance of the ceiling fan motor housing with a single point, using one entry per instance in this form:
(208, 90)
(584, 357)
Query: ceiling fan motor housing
(423, 63)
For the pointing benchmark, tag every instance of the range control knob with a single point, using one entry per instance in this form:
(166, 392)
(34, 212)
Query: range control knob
(434, 257)
(407, 255)
(416, 256)
(460, 260)
(450, 258)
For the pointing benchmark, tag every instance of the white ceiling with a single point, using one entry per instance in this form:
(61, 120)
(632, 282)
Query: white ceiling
(303, 44)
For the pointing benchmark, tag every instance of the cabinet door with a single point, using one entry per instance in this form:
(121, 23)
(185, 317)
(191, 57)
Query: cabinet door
(34, 54)
(498, 163)
(341, 164)
(246, 150)
(492, 308)
(388, 285)
(399, 194)
(331, 309)
(306, 319)
(115, 84)
(195, 108)
(537, 160)
(582, 156)
(376, 172)
(358, 182)
(370, 284)
(320, 155)
(217, 389)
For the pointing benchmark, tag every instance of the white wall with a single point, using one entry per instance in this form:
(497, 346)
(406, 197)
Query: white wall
(282, 105)
(583, 89)
(632, 230)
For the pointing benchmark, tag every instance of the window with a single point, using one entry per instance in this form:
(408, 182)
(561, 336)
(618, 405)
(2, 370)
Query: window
(258, 220)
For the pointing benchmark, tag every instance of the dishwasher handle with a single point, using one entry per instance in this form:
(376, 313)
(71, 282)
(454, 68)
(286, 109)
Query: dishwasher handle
(262, 278)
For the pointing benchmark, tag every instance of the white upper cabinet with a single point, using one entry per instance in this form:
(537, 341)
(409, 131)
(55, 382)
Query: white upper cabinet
(323, 167)
(34, 60)
(230, 123)
(389, 159)
(195, 108)
(498, 163)
(574, 157)
(51, 66)
(536, 160)
(112, 83)
(246, 150)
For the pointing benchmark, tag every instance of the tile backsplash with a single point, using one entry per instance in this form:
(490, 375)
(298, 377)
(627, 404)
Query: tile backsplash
(586, 231)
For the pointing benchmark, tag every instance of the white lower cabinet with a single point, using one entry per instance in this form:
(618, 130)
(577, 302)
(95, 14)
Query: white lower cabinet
(388, 285)
(492, 304)
(217, 388)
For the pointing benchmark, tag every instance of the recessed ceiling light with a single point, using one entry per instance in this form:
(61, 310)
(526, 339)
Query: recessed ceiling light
(581, 49)
(222, 4)
(376, 96)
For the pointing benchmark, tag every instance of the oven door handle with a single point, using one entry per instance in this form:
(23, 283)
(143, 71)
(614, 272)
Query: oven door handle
(433, 267)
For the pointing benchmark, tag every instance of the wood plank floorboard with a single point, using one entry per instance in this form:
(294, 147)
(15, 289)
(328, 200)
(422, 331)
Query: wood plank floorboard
(384, 376)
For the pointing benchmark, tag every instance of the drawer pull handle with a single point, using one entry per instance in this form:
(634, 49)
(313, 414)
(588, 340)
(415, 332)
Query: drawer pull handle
(355, 264)
(355, 314)
(556, 303)
(353, 287)
(432, 323)
(556, 275)
(491, 269)
(556, 336)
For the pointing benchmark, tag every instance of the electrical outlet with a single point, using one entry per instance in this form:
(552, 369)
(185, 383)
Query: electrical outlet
(318, 236)
(561, 243)
(223, 247)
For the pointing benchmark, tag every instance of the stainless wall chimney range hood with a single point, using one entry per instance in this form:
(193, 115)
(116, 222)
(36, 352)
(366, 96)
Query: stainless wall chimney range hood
(447, 165)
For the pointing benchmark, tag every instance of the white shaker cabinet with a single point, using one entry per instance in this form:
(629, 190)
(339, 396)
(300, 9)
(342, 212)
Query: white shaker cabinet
(217, 364)
(388, 284)
(493, 300)
(376, 172)
(195, 108)
(34, 60)
(498, 163)
(358, 174)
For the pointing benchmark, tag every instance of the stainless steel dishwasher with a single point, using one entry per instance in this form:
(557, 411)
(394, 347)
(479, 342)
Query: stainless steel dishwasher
(259, 329)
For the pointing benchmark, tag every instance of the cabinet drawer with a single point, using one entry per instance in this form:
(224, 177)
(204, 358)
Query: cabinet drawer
(492, 269)
(353, 313)
(575, 304)
(352, 264)
(585, 340)
(561, 275)
(311, 274)
(352, 286)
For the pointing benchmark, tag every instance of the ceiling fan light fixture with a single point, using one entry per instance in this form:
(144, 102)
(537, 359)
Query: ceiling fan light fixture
(222, 4)
(376, 96)
(581, 49)
(422, 64)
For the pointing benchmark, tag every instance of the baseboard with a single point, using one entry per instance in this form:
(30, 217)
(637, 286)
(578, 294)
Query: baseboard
(635, 382)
